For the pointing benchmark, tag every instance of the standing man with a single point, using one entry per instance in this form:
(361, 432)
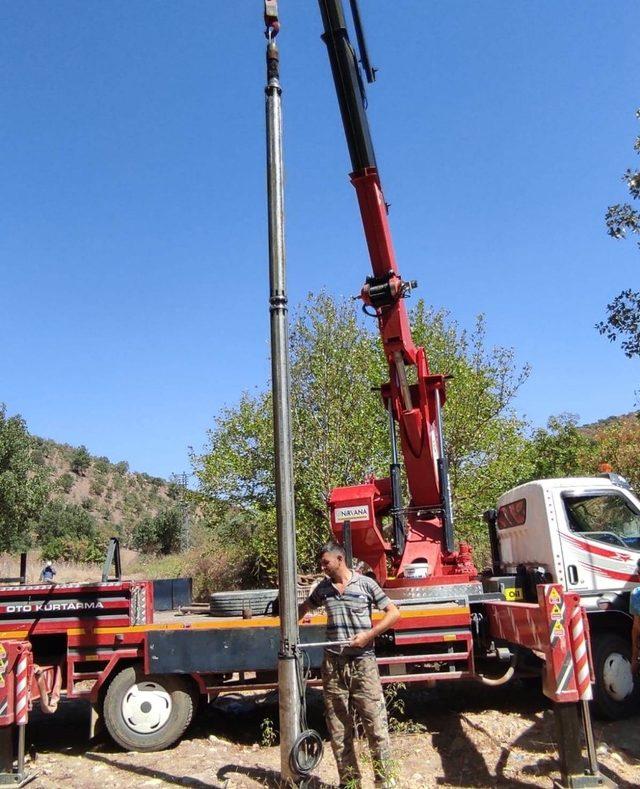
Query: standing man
(349, 672)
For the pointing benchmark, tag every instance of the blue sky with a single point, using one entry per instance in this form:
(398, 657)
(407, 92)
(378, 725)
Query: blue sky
(132, 225)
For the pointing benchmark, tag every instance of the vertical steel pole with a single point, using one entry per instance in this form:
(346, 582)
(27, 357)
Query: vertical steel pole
(287, 664)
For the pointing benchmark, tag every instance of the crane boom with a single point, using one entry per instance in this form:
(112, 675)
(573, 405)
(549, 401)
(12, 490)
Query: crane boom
(413, 396)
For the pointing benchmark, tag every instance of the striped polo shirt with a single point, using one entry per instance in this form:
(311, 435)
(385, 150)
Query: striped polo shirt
(349, 613)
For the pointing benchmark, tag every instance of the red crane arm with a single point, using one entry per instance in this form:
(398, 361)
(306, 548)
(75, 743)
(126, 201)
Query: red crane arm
(414, 406)
(413, 396)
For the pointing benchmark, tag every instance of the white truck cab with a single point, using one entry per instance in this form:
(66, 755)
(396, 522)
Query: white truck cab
(582, 532)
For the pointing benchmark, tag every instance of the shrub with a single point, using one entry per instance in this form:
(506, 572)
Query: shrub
(65, 483)
(97, 487)
(102, 464)
(159, 534)
(122, 467)
(215, 569)
(38, 457)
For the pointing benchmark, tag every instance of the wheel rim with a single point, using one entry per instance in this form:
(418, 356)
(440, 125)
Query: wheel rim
(617, 676)
(146, 707)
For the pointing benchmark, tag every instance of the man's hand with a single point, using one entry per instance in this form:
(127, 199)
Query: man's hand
(362, 640)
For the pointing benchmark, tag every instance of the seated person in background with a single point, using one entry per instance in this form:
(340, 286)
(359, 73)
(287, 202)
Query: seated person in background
(48, 573)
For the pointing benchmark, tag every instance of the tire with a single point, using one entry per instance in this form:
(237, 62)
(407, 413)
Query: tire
(234, 603)
(615, 695)
(147, 712)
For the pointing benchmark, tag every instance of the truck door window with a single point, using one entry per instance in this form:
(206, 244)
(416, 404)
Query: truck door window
(604, 517)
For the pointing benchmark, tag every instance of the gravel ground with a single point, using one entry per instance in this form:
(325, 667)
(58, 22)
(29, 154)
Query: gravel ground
(468, 736)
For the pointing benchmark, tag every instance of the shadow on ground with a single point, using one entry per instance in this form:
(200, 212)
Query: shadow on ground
(445, 713)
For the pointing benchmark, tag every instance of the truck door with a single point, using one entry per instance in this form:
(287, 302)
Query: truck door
(600, 539)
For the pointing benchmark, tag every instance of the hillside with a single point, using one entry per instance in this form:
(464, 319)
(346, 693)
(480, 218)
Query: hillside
(609, 421)
(116, 498)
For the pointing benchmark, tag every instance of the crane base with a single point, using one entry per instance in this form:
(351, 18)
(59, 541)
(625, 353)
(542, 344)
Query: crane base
(585, 782)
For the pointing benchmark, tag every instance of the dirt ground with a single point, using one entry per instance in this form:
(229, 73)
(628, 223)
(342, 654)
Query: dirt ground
(471, 737)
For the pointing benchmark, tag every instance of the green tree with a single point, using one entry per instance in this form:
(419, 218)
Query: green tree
(562, 449)
(160, 533)
(623, 313)
(80, 460)
(618, 443)
(340, 428)
(66, 531)
(486, 441)
(24, 484)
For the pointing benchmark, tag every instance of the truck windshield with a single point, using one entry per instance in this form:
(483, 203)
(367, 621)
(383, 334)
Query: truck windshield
(605, 517)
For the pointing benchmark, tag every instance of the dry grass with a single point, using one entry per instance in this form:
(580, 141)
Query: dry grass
(66, 572)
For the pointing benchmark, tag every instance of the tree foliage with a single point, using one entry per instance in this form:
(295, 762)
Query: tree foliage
(485, 439)
(562, 449)
(68, 532)
(618, 443)
(622, 218)
(340, 428)
(623, 321)
(623, 313)
(338, 433)
(80, 461)
(160, 533)
(24, 485)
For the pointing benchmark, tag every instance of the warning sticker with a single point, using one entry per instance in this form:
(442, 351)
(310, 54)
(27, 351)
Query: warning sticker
(3, 664)
(554, 597)
(513, 593)
(556, 612)
(557, 630)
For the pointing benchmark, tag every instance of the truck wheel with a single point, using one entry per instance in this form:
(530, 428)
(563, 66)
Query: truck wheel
(147, 712)
(615, 694)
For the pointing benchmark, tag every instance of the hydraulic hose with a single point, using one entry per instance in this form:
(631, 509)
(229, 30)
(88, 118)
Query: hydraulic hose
(495, 681)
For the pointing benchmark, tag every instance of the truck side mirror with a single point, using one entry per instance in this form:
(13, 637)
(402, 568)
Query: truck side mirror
(490, 517)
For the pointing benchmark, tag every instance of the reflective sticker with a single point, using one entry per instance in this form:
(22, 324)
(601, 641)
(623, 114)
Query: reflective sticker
(513, 593)
(554, 597)
(3, 665)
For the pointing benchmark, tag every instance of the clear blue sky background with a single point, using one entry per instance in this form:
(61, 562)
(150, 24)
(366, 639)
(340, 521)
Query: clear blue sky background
(132, 201)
